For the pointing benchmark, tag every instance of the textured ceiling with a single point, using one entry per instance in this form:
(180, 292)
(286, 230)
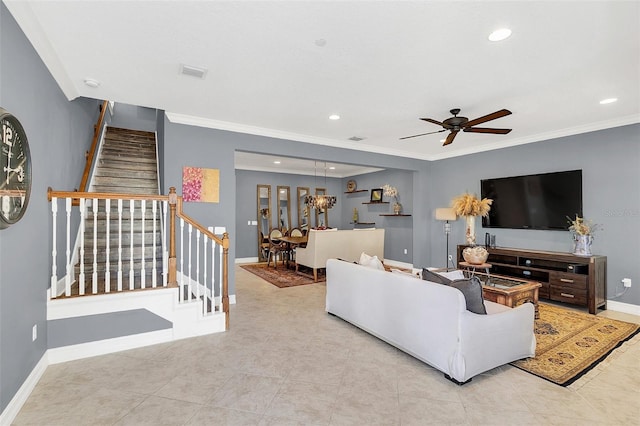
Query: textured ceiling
(281, 68)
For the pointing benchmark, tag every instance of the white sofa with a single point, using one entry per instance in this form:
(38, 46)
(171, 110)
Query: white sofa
(339, 244)
(429, 321)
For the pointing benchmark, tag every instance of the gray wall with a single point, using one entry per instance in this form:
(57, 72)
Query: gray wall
(59, 133)
(134, 117)
(609, 160)
(202, 147)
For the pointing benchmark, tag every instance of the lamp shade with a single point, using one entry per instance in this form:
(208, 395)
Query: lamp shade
(445, 213)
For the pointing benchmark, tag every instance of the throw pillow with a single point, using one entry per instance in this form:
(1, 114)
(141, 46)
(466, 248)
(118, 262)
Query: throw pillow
(376, 263)
(433, 277)
(472, 290)
(364, 259)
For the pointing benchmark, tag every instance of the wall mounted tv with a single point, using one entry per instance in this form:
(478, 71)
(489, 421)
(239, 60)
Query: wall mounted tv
(542, 201)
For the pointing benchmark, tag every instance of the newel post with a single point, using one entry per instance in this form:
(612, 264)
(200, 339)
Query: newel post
(173, 201)
(225, 279)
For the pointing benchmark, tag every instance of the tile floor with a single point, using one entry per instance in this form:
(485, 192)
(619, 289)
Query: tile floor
(286, 362)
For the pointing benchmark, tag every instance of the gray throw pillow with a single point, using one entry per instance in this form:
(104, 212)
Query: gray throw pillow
(471, 289)
(433, 277)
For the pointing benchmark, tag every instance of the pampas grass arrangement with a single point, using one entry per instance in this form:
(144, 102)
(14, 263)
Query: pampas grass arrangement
(469, 205)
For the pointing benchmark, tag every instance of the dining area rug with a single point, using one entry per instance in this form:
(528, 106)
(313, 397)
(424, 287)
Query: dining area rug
(570, 343)
(281, 277)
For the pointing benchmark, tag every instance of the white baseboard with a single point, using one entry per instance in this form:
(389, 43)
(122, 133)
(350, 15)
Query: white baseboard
(15, 405)
(247, 260)
(627, 308)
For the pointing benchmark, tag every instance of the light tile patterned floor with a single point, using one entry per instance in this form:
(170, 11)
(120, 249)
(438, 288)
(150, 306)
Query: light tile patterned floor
(286, 362)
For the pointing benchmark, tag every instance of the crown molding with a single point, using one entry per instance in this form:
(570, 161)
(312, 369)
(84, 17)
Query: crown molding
(279, 134)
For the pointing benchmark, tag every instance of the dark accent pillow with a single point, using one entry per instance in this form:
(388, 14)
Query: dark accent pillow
(471, 289)
(433, 277)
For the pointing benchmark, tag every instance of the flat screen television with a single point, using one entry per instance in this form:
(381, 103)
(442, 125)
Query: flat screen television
(541, 201)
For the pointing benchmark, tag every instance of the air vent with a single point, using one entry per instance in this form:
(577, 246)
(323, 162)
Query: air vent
(356, 138)
(193, 71)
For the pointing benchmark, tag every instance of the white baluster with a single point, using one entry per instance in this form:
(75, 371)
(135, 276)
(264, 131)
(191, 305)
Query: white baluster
(143, 272)
(197, 264)
(204, 273)
(213, 276)
(94, 280)
(81, 276)
(165, 253)
(119, 244)
(107, 273)
(154, 280)
(189, 282)
(181, 260)
(220, 279)
(131, 273)
(67, 282)
(54, 252)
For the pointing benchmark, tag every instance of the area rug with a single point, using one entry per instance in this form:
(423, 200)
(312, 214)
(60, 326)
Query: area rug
(570, 343)
(281, 277)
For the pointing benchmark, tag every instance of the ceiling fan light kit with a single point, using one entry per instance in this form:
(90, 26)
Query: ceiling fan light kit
(457, 123)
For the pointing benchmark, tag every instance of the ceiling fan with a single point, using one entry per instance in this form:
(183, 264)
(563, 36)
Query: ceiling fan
(455, 124)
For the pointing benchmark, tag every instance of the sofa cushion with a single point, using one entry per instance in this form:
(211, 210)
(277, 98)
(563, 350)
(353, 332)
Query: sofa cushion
(471, 289)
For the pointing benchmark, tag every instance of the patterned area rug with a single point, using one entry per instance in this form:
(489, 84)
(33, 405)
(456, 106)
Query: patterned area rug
(570, 343)
(281, 277)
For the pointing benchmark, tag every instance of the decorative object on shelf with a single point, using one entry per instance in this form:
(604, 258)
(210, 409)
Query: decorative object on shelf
(392, 191)
(351, 185)
(476, 255)
(446, 214)
(355, 215)
(582, 232)
(470, 206)
(376, 195)
(15, 166)
(320, 201)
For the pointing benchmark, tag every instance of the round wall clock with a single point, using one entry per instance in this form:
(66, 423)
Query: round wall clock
(351, 185)
(15, 170)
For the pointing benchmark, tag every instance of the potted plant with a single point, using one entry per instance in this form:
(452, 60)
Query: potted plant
(392, 191)
(582, 232)
(469, 206)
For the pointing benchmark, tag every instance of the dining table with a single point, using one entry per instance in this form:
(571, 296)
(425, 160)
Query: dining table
(293, 242)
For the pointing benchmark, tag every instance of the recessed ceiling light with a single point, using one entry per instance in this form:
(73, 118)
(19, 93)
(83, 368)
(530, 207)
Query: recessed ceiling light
(276, 162)
(500, 34)
(442, 140)
(334, 117)
(91, 82)
(332, 168)
(608, 101)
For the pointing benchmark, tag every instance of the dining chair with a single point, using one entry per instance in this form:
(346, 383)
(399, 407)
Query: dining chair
(276, 247)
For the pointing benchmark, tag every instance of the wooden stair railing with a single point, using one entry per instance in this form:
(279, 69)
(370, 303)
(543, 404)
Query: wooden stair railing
(90, 155)
(175, 211)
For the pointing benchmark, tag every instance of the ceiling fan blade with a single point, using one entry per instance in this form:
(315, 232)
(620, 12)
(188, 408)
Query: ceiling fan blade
(451, 137)
(486, 130)
(431, 120)
(422, 134)
(488, 117)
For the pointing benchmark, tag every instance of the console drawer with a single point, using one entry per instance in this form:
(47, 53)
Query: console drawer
(569, 295)
(567, 279)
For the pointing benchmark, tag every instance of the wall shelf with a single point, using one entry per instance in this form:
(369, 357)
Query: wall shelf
(377, 202)
(356, 191)
(398, 215)
(362, 223)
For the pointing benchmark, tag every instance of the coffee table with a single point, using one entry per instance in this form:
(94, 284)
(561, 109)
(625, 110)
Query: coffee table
(510, 292)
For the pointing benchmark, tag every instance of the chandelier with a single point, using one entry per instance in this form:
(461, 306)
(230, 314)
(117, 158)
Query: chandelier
(319, 201)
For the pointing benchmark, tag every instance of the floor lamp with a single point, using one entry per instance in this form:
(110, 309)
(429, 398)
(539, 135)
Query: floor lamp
(446, 214)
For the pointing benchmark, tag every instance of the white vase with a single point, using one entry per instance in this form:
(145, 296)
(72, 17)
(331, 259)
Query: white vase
(582, 245)
(471, 230)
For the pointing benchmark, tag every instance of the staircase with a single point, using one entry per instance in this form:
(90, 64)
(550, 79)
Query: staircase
(126, 164)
